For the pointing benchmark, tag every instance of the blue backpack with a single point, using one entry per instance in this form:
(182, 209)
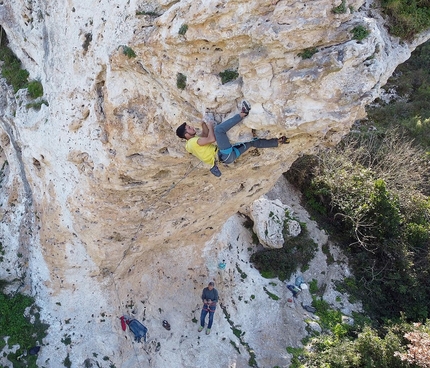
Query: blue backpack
(138, 329)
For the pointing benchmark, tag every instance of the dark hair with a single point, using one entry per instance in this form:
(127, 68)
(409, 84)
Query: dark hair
(180, 131)
(211, 283)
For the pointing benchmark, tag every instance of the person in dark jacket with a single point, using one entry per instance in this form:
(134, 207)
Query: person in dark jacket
(209, 298)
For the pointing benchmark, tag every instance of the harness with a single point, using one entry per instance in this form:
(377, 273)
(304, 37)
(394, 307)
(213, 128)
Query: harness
(228, 152)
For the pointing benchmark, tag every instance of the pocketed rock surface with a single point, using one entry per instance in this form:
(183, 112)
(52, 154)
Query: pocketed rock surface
(104, 213)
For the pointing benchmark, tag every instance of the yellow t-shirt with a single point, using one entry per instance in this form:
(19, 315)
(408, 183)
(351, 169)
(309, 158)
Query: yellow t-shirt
(204, 153)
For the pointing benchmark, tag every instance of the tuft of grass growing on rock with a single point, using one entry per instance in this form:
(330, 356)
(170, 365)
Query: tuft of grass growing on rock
(13, 73)
(149, 13)
(35, 89)
(359, 33)
(308, 53)
(183, 29)
(67, 362)
(37, 105)
(340, 9)
(313, 286)
(128, 51)
(240, 335)
(181, 81)
(11, 69)
(235, 346)
(271, 295)
(228, 75)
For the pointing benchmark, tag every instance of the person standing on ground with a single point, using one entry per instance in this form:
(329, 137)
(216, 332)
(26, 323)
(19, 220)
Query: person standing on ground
(203, 148)
(209, 298)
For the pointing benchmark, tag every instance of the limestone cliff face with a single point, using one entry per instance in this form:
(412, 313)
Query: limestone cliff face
(100, 197)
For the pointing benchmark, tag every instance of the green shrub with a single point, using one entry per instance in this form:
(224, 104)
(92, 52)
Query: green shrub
(359, 33)
(183, 29)
(20, 330)
(368, 185)
(67, 362)
(407, 18)
(296, 252)
(271, 295)
(14, 74)
(36, 105)
(411, 112)
(181, 81)
(308, 53)
(35, 89)
(228, 75)
(368, 349)
(297, 359)
(340, 9)
(150, 13)
(128, 51)
(329, 318)
(313, 286)
(11, 69)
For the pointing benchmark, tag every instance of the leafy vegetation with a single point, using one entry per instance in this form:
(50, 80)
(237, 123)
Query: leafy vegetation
(296, 252)
(15, 324)
(11, 69)
(271, 295)
(371, 194)
(359, 33)
(36, 105)
(183, 29)
(35, 89)
(181, 81)
(308, 53)
(368, 187)
(13, 73)
(343, 345)
(149, 13)
(361, 348)
(411, 109)
(407, 18)
(128, 51)
(340, 9)
(228, 75)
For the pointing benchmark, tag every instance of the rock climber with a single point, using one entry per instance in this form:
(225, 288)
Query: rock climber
(209, 298)
(203, 148)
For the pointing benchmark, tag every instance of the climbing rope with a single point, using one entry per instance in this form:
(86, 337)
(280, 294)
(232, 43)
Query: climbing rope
(119, 303)
(133, 239)
(175, 184)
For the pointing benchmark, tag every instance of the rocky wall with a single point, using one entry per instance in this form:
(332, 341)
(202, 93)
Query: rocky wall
(107, 191)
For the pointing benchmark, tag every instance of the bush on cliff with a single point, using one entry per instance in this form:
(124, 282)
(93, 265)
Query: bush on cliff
(15, 312)
(407, 18)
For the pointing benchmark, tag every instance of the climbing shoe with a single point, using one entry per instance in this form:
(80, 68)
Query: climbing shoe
(208, 331)
(246, 107)
(166, 325)
(200, 329)
(215, 170)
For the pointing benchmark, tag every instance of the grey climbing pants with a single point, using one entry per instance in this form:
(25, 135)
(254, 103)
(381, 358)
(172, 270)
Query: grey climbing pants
(238, 148)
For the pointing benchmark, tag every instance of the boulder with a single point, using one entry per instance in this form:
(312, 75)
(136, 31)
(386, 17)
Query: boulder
(271, 220)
